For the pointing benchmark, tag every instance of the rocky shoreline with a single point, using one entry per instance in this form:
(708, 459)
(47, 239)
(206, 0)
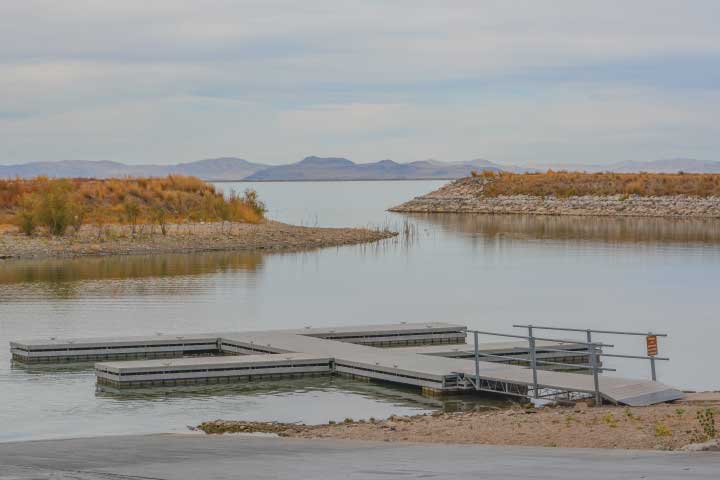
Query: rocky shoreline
(93, 240)
(679, 426)
(466, 196)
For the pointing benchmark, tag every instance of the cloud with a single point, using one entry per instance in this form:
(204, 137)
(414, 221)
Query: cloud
(166, 81)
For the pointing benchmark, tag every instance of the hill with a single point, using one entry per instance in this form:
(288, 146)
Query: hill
(225, 168)
(333, 168)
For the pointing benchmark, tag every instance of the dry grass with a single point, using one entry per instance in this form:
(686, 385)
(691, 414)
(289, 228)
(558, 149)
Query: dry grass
(567, 184)
(172, 199)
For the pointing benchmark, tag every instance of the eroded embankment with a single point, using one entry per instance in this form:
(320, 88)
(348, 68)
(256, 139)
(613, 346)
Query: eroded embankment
(182, 238)
(469, 195)
(664, 427)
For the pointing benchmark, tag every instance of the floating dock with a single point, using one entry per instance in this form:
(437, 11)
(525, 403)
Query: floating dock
(210, 370)
(54, 350)
(432, 357)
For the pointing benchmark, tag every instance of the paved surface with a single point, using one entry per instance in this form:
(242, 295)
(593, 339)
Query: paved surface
(195, 457)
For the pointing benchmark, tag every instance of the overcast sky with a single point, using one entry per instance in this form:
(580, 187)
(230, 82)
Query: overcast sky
(524, 82)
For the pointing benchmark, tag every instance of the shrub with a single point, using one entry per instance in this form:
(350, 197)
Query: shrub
(250, 198)
(160, 217)
(132, 212)
(25, 217)
(662, 430)
(609, 419)
(54, 207)
(707, 431)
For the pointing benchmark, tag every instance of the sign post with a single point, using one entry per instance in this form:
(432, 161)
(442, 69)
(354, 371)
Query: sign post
(652, 351)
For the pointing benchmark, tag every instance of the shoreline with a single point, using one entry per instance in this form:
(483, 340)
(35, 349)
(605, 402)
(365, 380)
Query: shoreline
(466, 196)
(675, 426)
(325, 180)
(119, 240)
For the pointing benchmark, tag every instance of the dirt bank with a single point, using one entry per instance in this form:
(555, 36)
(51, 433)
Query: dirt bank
(194, 237)
(664, 427)
(469, 195)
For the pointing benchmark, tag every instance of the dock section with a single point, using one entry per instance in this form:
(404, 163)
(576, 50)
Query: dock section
(55, 350)
(210, 370)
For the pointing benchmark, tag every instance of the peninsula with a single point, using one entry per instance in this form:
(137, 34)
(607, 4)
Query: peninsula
(679, 195)
(42, 218)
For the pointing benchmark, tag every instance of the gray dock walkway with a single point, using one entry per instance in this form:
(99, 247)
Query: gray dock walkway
(351, 351)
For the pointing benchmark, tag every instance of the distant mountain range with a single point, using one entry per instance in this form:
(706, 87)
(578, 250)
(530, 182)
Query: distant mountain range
(226, 168)
(326, 168)
(317, 168)
(673, 165)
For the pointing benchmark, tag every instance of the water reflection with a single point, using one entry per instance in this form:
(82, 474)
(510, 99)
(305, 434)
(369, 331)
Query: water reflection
(396, 394)
(599, 229)
(119, 275)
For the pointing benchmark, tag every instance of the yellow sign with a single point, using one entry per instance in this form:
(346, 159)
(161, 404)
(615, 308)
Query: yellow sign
(652, 346)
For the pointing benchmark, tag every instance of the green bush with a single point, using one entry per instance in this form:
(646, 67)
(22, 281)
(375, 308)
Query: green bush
(25, 217)
(52, 207)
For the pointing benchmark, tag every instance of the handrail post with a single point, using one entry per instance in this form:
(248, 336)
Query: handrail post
(594, 364)
(477, 363)
(652, 369)
(533, 361)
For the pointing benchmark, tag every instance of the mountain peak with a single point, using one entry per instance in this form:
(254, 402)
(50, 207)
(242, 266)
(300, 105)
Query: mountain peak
(326, 161)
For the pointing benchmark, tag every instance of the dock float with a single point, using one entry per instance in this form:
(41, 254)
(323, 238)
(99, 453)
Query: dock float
(432, 357)
(54, 350)
(210, 370)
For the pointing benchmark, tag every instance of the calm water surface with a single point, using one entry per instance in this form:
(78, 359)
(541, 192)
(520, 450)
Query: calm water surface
(486, 271)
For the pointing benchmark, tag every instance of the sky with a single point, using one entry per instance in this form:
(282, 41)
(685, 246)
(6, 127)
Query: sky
(513, 81)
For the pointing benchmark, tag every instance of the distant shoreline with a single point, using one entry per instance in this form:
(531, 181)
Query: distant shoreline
(336, 180)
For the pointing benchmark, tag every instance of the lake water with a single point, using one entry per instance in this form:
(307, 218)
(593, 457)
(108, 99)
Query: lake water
(488, 272)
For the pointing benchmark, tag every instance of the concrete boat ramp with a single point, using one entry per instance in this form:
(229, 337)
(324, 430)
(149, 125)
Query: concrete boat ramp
(432, 356)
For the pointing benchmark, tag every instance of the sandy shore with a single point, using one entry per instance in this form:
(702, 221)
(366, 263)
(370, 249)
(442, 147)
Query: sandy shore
(467, 196)
(195, 237)
(660, 427)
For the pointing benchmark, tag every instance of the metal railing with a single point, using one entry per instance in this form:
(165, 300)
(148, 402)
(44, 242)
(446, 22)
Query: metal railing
(594, 352)
(589, 331)
(593, 349)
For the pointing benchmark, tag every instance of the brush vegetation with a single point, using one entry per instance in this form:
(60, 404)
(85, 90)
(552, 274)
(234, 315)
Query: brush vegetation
(62, 205)
(564, 184)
